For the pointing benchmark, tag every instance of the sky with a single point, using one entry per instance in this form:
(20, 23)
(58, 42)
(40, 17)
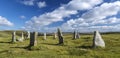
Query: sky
(68, 15)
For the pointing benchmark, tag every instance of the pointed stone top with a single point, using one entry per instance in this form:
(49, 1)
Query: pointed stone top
(58, 28)
(59, 32)
(97, 40)
(96, 31)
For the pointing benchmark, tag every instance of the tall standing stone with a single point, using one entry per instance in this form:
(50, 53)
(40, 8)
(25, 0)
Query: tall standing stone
(74, 35)
(97, 40)
(13, 37)
(22, 35)
(33, 38)
(44, 36)
(60, 36)
(78, 35)
(55, 36)
(28, 34)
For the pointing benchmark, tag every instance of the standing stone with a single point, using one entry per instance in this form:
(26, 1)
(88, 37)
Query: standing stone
(13, 37)
(78, 35)
(74, 35)
(97, 40)
(33, 38)
(28, 34)
(60, 36)
(22, 37)
(55, 36)
(44, 36)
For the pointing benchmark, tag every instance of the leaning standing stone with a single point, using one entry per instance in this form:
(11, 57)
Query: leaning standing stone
(33, 38)
(97, 40)
(60, 36)
(13, 37)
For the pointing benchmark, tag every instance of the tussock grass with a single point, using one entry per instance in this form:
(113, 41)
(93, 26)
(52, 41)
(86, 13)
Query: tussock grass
(79, 48)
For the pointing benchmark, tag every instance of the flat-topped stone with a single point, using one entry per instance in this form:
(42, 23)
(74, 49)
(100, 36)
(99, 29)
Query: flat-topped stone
(14, 36)
(33, 38)
(44, 36)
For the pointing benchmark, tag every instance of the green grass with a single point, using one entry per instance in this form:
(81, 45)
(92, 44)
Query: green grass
(79, 48)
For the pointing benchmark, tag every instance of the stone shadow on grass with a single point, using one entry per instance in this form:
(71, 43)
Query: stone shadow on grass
(3, 51)
(54, 44)
(25, 47)
(4, 42)
(85, 47)
(29, 48)
(49, 44)
(19, 47)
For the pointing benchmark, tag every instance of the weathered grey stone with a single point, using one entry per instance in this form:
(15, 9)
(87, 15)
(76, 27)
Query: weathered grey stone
(22, 37)
(74, 35)
(33, 38)
(55, 36)
(78, 35)
(28, 34)
(60, 36)
(44, 36)
(14, 36)
(97, 40)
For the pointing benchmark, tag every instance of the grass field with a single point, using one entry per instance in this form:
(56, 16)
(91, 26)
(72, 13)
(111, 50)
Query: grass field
(79, 48)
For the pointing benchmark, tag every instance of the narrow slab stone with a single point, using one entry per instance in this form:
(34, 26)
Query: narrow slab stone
(97, 40)
(22, 35)
(78, 35)
(14, 36)
(33, 38)
(74, 35)
(60, 37)
(44, 36)
(28, 34)
(55, 36)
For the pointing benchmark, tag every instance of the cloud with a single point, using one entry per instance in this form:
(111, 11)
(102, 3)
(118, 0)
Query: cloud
(5, 22)
(41, 4)
(82, 4)
(28, 2)
(99, 18)
(105, 10)
(58, 14)
(22, 17)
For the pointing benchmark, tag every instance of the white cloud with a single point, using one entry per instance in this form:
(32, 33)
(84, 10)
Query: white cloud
(112, 20)
(22, 17)
(97, 19)
(105, 10)
(63, 11)
(82, 4)
(41, 4)
(28, 2)
(5, 22)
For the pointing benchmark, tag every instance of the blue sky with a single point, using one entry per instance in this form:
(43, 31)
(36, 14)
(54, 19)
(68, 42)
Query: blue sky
(69, 15)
